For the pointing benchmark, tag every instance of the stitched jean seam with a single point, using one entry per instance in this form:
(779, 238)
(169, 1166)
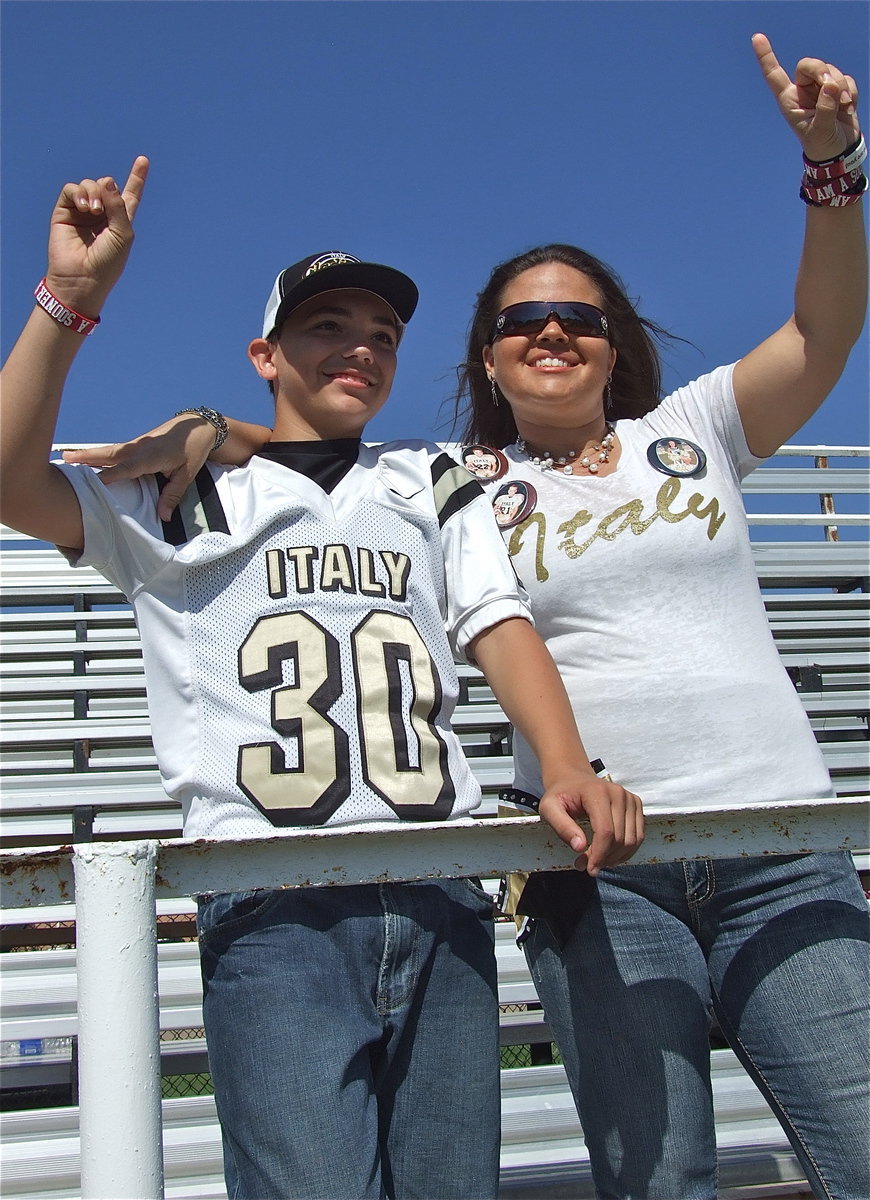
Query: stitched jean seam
(694, 903)
(781, 1111)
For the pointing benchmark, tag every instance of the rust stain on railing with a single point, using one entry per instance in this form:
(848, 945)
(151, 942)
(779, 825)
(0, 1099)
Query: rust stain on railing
(41, 871)
(826, 500)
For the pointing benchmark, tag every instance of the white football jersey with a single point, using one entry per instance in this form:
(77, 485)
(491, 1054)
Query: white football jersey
(299, 646)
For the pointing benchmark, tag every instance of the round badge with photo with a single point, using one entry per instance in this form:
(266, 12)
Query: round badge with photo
(676, 456)
(513, 502)
(483, 461)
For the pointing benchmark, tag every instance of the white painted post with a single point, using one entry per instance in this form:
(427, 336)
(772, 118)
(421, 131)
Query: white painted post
(119, 1029)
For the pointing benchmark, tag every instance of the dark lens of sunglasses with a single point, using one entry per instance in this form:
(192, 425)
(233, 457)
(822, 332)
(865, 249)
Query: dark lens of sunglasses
(531, 317)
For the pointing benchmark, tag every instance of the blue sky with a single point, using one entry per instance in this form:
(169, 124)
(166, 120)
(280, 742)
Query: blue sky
(439, 137)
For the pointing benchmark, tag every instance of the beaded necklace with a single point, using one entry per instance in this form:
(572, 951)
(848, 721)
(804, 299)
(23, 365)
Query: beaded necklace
(545, 461)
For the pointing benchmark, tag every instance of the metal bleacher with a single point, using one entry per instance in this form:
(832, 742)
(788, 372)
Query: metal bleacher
(78, 766)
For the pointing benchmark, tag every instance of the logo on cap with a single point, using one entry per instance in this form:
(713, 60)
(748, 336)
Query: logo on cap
(334, 258)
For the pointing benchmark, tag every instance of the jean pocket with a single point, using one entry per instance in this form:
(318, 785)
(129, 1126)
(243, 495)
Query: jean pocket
(227, 914)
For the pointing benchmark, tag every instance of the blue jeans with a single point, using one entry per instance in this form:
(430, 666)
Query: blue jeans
(353, 1041)
(777, 949)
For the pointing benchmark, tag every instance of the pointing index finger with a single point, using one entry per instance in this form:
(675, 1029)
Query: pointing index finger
(776, 76)
(135, 185)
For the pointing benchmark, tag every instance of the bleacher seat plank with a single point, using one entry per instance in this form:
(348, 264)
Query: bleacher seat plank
(803, 481)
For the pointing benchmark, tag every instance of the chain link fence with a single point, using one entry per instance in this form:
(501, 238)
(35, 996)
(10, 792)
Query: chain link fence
(527, 1054)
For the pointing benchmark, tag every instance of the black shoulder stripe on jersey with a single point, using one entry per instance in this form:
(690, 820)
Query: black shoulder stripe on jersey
(199, 511)
(215, 517)
(454, 487)
(173, 529)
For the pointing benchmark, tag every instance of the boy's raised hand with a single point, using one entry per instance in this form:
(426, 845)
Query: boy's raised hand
(819, 104)
(90, 236)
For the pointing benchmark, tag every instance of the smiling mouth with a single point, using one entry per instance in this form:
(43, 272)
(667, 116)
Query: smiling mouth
(549, 362)
(359, 381)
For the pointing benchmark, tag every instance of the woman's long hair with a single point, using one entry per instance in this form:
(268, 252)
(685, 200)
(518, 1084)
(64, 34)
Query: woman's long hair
(637, 375)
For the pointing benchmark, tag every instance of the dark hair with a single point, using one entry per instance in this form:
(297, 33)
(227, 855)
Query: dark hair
(637, 375)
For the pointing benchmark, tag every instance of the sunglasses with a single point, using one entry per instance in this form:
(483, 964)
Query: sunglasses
(530, 318)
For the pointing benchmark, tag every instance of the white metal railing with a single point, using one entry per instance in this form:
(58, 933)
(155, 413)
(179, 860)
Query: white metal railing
(824, 451)
(116, 886)
(820, 456)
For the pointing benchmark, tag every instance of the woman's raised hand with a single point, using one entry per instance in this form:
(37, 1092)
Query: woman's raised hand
(176, 449)
(819, 104)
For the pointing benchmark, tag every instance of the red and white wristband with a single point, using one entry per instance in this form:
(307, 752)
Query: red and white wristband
(830, 195)
(831, 168)
(65, 316)
(835, 182)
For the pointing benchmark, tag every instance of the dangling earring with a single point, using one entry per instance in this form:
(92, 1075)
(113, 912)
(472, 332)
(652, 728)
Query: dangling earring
(494, 392)
(608, 398)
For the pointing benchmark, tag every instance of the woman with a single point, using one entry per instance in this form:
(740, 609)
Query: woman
(635, 552)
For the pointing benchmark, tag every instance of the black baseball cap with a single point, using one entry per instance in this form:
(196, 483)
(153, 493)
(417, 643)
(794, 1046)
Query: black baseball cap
(335, 269)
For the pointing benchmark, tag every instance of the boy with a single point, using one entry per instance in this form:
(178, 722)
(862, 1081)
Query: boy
(299, 621)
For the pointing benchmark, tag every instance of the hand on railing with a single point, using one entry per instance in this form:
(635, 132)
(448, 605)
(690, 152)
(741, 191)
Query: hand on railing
(614, 814)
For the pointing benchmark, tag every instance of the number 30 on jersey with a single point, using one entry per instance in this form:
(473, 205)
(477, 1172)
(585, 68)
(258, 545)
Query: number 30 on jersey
(398, 697)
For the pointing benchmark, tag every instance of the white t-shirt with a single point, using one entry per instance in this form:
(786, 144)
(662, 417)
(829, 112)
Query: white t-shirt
(299, 645)
(643, 587)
